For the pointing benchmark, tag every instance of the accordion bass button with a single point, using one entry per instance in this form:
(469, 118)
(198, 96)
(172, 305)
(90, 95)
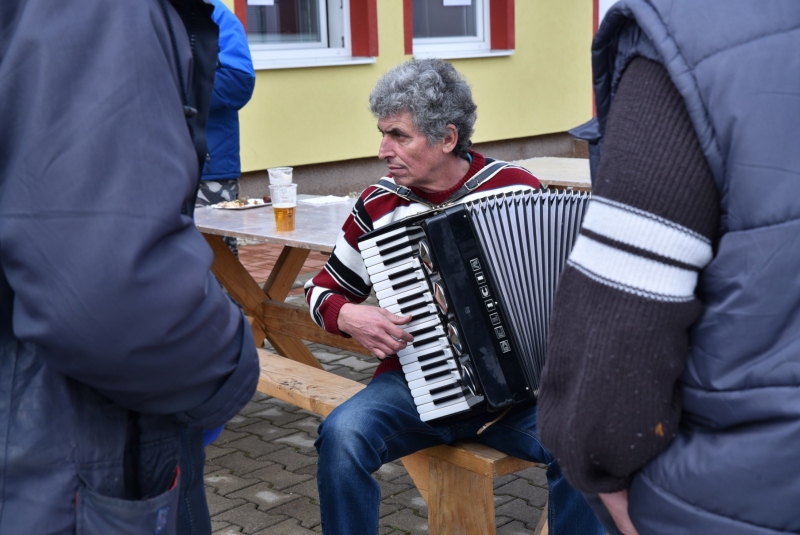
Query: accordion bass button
(468, 376)
(454, 338)
(425, 255)
(439, 298)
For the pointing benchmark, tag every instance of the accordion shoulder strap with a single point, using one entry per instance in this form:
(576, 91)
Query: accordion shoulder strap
(491, 168)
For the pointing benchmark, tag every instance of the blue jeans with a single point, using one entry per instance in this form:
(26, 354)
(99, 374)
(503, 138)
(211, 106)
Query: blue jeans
(381, 424)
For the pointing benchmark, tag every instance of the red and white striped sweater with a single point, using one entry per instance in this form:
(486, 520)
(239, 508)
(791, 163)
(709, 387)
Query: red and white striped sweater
(344, 278)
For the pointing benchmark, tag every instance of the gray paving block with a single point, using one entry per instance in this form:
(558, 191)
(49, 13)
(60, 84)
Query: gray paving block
(224, 482)
(292, 460)
(307, 425)
(228, 435)
(213, 451)
(240, 464)
(515, 528)
(305, 510)
(307, 488)
(298, 440)
(359, 364)
(265, 497)
(287, 527)
(536, 475)
(219, 504)
(253, 446)
(277, 415)
(217, 527)
(406, 521)
(326, 357)
(390, 471)
(277, 477)
(521, 488)
(521, 511)
(265, 429)
(411, 499)
(249, 518)
(228, 530)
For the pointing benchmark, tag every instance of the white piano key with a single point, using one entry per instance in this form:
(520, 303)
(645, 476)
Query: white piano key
(431, 412)
(399, 231)
(409, 350)
(446, 382)
(380, 259)
(424, 399)
(418, 287)
(400, 239)
(414, 275)
(424, 358)
(445, 366)
(415, 365)
(420, 383)
(380, 276)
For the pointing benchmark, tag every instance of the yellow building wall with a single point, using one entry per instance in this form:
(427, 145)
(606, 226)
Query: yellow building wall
(317, 115)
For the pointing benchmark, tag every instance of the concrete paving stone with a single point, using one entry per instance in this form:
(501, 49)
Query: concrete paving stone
(304, 510)
(388, 508)
(292, 460)
(390, 471)
(536, 475)
(251, 407)
(229, 530)
(521, 488)
(515, 528)
(307, 425)
(326, 357)
(299, 440)
(391, 488)
(217, 527)
(266, 430)
(224, 482)
(411, 499)
(406, 521)
(253, 446)
(520, 510)
(278, 477)
(241, 465)
(219, 504)
(249, 518)
(213, 451)
(344, 371)
(278, 415)
(500, 499)
(358, 364)
(307, 488)
(265, 497)
(228, 435)
(287, 527)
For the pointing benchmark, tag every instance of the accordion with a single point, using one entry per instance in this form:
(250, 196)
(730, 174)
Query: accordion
(478, 279)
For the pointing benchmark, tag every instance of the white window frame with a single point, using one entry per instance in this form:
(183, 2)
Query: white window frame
(461, 47)
(317, 54)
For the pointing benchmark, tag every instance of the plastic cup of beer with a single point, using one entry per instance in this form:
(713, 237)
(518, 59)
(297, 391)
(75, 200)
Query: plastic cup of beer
(284, 201)
(280, 176)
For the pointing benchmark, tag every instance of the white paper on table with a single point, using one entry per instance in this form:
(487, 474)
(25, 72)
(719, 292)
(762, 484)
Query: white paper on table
(456, 2)
(260, 2)
(328, 199)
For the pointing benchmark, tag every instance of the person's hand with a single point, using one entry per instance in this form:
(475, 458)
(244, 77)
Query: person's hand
(374, 328)
(617, 505)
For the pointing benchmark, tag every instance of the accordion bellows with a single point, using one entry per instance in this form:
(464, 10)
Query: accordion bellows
(479, 280)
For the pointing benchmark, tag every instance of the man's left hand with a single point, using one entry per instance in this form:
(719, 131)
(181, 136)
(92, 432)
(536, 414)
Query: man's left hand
(617, 505)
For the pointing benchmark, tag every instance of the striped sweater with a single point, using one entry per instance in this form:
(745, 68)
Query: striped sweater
(619, 335)
(344, 278)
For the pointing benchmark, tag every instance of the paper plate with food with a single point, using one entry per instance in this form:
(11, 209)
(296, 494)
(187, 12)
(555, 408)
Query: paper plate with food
(243, 204)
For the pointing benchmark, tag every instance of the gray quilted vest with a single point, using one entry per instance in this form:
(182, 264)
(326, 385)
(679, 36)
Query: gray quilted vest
(735, 466)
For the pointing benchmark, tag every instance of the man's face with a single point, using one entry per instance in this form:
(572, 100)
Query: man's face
(408, 156)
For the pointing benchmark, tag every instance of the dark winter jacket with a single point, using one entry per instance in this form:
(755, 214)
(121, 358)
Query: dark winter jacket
(734, 467)
(117, 345)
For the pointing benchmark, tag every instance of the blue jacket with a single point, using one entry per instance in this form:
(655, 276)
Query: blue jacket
(734, 467)
(233, 86)
(117, 345)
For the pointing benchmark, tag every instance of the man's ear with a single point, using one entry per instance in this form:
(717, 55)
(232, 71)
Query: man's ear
(450, 140)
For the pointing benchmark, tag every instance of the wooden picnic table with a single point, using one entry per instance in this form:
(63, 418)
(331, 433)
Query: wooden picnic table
(284, 325)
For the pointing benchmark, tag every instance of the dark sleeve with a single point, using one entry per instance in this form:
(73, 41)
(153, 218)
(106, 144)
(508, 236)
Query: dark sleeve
(234, 78)
(619, 334)
(111, 282)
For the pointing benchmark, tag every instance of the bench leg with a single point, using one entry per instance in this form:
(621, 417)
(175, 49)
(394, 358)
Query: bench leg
(460, 502)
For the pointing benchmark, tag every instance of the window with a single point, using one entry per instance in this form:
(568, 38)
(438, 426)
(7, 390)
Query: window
(303, 33)
(459, 28)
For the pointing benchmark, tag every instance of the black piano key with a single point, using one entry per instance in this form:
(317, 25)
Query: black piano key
(402, 273)
(426, 330)
(451, 397)
(425, 314)
(440, 389)
(390, 239)
(432, 365)
(403, 284)
(412, 308)
(395, 259)
(428, 356)
(428, 340)
(436, 375)
(409, 298)
(393, 248)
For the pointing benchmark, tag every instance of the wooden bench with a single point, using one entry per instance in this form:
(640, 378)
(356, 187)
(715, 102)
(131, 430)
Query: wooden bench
(455, 481)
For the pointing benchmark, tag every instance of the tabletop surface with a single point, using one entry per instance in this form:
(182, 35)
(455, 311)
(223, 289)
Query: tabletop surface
(316, 226)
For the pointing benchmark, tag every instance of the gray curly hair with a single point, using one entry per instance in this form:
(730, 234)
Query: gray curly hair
(435, 95)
